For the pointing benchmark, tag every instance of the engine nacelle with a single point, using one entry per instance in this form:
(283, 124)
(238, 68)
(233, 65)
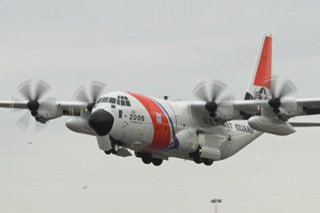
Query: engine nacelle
(188, 140)
(271, 125)
(48, 110)
(80, 125)
(288, 107)
(226, 111)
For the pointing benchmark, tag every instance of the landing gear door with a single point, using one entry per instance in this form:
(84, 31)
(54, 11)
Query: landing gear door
(104, 143)
(120, 124)
(202, 139)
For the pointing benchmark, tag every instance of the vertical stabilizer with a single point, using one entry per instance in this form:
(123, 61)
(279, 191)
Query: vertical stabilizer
(259, 85)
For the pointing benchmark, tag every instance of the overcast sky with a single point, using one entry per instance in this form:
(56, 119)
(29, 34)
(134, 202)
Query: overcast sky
(155, 48)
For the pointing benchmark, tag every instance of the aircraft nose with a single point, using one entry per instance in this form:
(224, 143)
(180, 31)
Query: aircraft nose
(101, 122)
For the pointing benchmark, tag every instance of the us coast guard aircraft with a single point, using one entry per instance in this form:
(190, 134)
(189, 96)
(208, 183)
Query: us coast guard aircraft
(211, 129)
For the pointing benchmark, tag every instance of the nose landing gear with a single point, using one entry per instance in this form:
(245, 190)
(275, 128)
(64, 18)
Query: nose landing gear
(115, 148)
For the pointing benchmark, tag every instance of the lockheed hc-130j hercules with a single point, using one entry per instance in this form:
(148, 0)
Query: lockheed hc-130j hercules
(211, 129)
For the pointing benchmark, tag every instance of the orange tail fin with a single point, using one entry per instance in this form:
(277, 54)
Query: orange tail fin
(259, 85)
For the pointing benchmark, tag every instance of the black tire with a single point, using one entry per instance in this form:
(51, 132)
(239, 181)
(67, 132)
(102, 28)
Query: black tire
(197, 160)
(207, 162)
(196, 155)
(108, 152)
(138, 154)
(157, 161)
(146, 159)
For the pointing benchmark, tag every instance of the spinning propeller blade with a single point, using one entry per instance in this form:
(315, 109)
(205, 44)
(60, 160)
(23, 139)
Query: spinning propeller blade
(211, 93)
(281, 92)
(33, 93)
(90, 94)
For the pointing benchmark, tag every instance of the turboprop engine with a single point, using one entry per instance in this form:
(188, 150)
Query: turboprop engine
(41, 107)
(271, 125)
(218, 104)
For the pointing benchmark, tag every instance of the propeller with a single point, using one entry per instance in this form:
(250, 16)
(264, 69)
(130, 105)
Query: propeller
(280, 93)
(34, 93)
(211, 93)
(89, 94)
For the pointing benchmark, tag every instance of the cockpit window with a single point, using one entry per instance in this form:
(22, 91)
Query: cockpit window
(112, 100)
(103, 100)
(123, 101)
(120, 100)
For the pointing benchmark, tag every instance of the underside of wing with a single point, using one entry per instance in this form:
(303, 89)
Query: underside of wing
(304, 124)
(309, 106)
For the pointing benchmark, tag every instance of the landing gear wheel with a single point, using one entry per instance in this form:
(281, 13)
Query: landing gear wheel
(196, 156)
(146, 159)
(197, 160)
(207, 162)
(115, 148)
(156, 161)
(108, 152)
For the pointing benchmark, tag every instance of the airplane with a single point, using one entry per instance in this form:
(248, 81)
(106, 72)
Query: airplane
(213, 128)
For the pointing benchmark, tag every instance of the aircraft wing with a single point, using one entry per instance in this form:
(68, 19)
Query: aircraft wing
(304, 124)
(309, 106)
(72, 108)
(15, 104)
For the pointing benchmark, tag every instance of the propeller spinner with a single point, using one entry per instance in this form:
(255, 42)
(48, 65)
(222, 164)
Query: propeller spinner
(280, 92)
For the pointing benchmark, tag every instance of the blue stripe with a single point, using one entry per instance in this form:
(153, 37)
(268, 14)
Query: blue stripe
(175, 140)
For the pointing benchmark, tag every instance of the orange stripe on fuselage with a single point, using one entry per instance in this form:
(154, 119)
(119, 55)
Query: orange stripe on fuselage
(161, 131)
(263, 74)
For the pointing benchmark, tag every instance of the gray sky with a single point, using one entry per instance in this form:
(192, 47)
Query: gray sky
(154, 48)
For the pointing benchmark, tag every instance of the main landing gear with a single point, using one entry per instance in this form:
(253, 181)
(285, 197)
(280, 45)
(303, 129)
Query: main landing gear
(147, 159)
(198, 160)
